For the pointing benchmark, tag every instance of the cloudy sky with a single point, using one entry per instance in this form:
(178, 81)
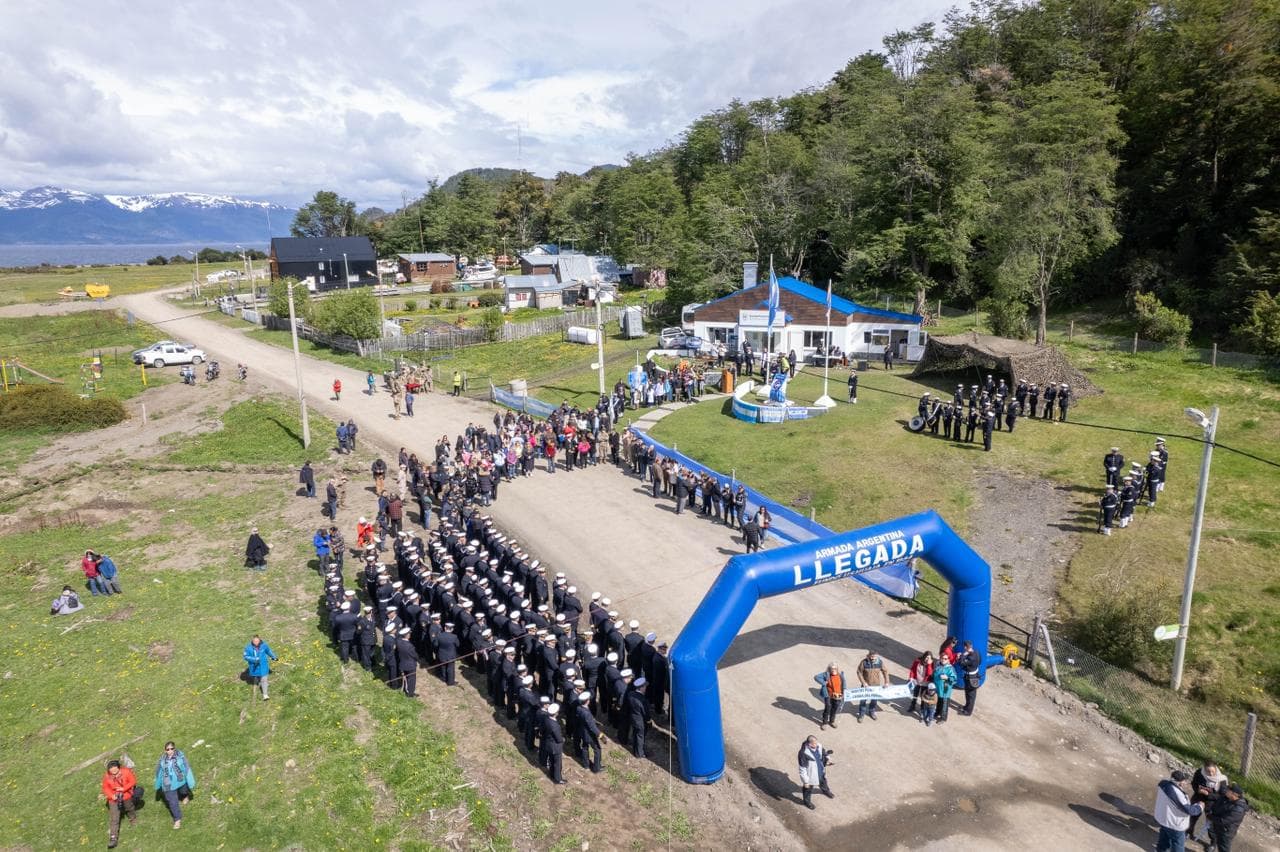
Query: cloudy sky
(275, 99)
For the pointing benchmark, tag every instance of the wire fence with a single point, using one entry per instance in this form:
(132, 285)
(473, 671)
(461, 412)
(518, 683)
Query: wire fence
(1187, 728)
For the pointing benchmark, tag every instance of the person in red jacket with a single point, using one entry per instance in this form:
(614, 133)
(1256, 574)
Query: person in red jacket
(337, 389)
(117, 788)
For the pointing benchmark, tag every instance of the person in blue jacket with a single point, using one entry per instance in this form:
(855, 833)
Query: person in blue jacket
(109, 573)
(944, 678)
(174, 780)
(320, 541)
(256, 654)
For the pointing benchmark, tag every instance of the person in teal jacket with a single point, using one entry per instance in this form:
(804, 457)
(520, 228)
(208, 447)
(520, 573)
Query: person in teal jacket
(256, 654)
(944, 679)
(174, 780)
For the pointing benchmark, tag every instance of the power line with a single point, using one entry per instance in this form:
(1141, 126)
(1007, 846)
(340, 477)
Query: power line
(1195, 439)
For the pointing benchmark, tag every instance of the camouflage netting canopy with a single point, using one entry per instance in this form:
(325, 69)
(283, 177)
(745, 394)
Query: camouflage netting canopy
(1020, 361)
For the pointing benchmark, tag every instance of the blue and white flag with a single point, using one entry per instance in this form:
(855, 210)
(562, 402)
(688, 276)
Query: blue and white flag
(773, 297)
(828, 302)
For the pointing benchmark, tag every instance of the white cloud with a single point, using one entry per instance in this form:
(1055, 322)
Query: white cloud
(375, 99)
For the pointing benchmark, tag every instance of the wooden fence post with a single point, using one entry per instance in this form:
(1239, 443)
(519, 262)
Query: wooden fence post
(939, 314)
(1071, 331)
(1135, 343)
(1246, 752)
(1214, 361)
(1033, 642)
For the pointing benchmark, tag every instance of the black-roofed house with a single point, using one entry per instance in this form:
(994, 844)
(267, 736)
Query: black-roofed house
(325, 263)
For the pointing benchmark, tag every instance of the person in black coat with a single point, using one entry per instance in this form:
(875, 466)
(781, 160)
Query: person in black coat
(1011, 415)
(636, 710)
(659, 676)
(1226, 813)
(527, 720)
(988, 424)
(446, 654)
(407, 662)
(683, 491)
(751, 535)
(587, 734)
(389, 654)
(366, 637)
(344, 623)
(1113, 465)
(1050, 394)
(551, 749)
(308, 478)
(255, 552)
(853, 387)
(631, 645)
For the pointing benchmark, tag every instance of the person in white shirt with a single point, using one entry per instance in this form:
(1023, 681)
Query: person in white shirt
(1173, 812)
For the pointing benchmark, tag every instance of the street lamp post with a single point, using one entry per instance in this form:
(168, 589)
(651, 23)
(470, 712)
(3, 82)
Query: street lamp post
(347, 269)
(195, 282)
(1210, 426)
(599, 338)
(297, 366)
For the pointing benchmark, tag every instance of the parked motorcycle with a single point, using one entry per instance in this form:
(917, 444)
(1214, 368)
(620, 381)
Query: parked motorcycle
(211, 371)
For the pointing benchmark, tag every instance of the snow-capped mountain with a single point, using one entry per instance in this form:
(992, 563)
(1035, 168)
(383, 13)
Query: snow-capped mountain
(48, 215)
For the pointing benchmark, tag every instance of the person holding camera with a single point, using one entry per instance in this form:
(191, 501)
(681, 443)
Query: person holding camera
(118, 787)
(814, 760)
(174, 780)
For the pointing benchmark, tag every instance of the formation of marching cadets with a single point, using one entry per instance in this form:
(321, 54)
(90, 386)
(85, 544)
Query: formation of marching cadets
(1125, 489)
(988, 407)
(471, 595)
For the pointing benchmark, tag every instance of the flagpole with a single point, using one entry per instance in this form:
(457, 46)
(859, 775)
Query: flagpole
(825, 401)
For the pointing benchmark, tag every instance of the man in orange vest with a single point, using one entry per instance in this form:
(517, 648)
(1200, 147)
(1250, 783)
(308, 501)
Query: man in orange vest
(833, 684)
(117, 788)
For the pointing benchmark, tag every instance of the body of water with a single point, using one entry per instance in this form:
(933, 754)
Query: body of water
(90, 255)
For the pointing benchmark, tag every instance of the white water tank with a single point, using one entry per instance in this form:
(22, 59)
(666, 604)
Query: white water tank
(581, 334)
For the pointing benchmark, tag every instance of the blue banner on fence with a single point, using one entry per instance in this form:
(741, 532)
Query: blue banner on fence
(533, 405)
(897, 581)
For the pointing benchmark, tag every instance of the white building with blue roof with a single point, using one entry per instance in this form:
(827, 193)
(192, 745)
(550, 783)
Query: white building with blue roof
(801, 325)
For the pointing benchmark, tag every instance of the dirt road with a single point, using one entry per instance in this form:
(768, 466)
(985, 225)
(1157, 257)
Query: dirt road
(1024, 773)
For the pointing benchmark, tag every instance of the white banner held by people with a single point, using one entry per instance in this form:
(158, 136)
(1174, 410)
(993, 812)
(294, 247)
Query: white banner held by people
(878, 693)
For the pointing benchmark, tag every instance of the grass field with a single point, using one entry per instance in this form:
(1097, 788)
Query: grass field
(58, 345)
(43, 286)
(824, 463)
(332, 761)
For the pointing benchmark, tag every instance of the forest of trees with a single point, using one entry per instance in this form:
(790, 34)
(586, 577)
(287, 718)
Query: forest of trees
(1018, 156)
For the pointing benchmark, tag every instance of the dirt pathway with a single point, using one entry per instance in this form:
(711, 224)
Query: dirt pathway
(1024, 773)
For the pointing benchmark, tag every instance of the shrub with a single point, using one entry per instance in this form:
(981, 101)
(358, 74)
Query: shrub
(491, 320)
(489, 299)
(1159, 323)
(1117, 628)
(410, 305)
(1261, 329)
(53, 408)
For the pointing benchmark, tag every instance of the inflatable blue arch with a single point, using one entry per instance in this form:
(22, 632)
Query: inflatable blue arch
(695, 686)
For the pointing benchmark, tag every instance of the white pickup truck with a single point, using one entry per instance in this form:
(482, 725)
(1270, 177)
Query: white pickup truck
(168, 352)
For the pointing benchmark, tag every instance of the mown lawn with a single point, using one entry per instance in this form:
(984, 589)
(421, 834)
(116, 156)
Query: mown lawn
(333, 761)
(43, 285)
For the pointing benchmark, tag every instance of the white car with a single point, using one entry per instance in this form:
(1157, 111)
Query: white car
(168, 352)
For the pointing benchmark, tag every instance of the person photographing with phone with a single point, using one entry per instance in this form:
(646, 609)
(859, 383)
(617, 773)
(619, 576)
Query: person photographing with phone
(814, 760)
